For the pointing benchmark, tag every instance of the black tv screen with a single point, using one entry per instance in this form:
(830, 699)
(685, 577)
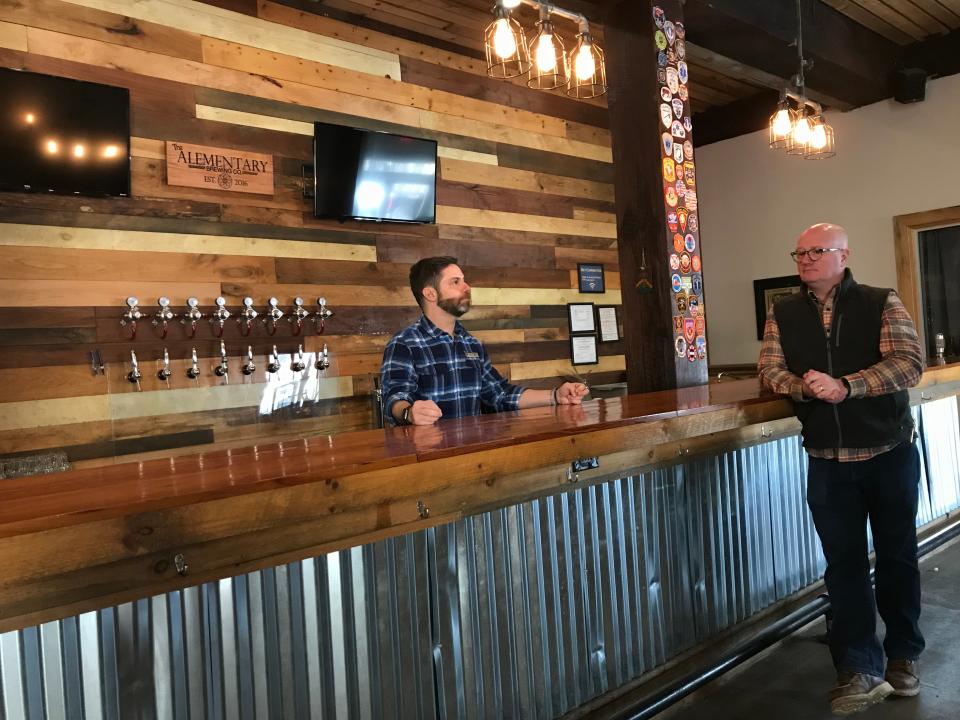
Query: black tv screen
(368, 175)
(63, 136)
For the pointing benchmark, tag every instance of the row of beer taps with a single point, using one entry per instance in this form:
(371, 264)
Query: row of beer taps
(222, 368)
(245, 316)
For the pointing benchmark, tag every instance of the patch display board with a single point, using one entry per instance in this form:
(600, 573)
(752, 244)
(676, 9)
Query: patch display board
(678, 172)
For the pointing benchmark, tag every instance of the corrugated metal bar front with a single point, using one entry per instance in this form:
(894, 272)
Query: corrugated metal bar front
(525, 612)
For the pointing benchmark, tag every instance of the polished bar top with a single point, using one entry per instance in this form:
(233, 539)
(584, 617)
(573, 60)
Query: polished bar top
(84, 539)
(33, 502)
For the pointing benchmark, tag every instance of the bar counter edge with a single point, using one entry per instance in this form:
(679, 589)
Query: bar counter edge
(82, 540)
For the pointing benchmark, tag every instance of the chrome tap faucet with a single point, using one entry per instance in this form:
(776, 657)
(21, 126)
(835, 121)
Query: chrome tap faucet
(322, 314)
(221, 370)
(164, 315)
(193, 372)
(298, 315)
(192, 315)
(247, 316)
(131, 316)
(273, 315)
(323, 359)
(220, 316)
(249, 367)
(297, 364)
(134, 375)
(164, 373)
(273, 365)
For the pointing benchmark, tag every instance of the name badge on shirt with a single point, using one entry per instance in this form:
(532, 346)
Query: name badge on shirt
(471, 355)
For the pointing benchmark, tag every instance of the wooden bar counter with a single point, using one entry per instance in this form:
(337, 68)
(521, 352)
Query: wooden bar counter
(84, 539)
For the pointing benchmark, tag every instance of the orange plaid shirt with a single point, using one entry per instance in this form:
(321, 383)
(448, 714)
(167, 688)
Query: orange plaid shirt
(900, 367)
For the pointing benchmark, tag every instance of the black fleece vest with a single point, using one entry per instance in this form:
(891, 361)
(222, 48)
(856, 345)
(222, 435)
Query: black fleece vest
(854, 345)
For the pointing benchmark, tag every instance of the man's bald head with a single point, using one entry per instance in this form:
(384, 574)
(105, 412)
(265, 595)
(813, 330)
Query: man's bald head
(830, 243)
(823, 235)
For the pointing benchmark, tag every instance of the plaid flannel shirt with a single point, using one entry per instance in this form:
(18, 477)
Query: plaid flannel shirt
(422, 362)
(900, 367)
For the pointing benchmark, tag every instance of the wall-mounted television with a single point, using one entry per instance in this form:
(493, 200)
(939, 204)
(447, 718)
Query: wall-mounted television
(369, 175)
(63, 136)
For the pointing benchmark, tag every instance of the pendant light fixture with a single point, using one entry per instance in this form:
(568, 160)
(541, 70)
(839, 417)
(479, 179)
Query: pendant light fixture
(505, 45)
(798, 125)
(549, 69)
(589, 77)
(580, 74)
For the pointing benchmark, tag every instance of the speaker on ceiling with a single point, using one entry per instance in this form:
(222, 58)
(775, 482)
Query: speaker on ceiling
(910, 85)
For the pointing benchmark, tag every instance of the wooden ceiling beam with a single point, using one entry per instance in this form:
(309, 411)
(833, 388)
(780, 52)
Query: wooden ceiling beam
(746, 73)
(939, 55)
(850, 62)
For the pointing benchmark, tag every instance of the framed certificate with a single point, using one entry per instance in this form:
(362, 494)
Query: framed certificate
(583, 349)
(590, 277)
(607, 322)
(581, 318)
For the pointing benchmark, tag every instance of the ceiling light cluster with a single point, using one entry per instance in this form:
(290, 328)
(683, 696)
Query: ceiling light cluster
(544, 59)
(798, 125)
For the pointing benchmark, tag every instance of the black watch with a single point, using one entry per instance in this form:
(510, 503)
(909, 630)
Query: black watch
(405, 416)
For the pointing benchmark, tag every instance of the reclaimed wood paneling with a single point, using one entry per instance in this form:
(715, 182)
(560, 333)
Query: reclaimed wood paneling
(524, 193)
(202, 18)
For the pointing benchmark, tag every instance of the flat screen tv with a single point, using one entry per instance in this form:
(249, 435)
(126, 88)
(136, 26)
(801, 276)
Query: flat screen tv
(368, 175)
(63, 136)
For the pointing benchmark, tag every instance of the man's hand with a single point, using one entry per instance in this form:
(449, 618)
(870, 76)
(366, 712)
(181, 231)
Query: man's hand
(824, 387)
(424, 412)
(571, 393)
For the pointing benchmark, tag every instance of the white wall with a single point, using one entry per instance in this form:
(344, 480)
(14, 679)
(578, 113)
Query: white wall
(891, 159)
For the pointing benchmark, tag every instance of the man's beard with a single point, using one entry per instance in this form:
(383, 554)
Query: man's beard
(455, 307)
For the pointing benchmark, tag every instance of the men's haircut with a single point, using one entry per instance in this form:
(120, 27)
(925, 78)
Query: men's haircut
(426, 273)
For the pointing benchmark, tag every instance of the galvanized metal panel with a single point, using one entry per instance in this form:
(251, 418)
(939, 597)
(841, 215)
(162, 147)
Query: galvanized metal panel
(524, 612)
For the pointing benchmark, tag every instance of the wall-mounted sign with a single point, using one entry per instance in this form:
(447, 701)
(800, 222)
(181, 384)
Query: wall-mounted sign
(213, 168)
(590, 277)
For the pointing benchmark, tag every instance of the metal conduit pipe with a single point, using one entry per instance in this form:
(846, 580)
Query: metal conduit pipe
(768, 636)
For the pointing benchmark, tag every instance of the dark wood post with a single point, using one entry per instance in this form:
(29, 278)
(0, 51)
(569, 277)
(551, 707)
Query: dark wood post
(656, 326)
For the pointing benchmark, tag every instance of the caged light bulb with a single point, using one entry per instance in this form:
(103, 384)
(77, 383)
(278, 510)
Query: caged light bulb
(781, 123)
(801, 132)
(818, 139)
(584, 65)
(504, 43)
(546, 54)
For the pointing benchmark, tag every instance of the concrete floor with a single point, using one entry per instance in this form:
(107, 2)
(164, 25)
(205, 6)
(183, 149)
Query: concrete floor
(790, 681)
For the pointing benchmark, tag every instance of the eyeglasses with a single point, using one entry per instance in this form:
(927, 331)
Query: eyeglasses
(814, 253)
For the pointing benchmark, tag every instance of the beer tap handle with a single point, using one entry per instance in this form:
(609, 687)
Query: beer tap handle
(249, 367)
(134, 375)
(193, 372)
(164, 372)
(222, 369)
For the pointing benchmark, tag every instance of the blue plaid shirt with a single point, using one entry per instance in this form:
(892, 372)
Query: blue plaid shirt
(422, 362)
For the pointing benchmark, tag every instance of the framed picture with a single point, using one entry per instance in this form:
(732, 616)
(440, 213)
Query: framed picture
(581, 318)
(767, 291)
(583, 349)
(607, 322)
(590, 276)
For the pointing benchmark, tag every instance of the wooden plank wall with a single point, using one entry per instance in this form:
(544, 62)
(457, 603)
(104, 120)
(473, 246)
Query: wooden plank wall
(524, 193)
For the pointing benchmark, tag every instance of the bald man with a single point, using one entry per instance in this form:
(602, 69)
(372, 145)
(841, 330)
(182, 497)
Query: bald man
(846, 353)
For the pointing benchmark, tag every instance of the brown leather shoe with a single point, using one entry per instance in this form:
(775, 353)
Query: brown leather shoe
(903, 676)
(855, 692)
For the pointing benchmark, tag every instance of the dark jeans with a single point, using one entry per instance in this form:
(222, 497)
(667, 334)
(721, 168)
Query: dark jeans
(842, 496)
